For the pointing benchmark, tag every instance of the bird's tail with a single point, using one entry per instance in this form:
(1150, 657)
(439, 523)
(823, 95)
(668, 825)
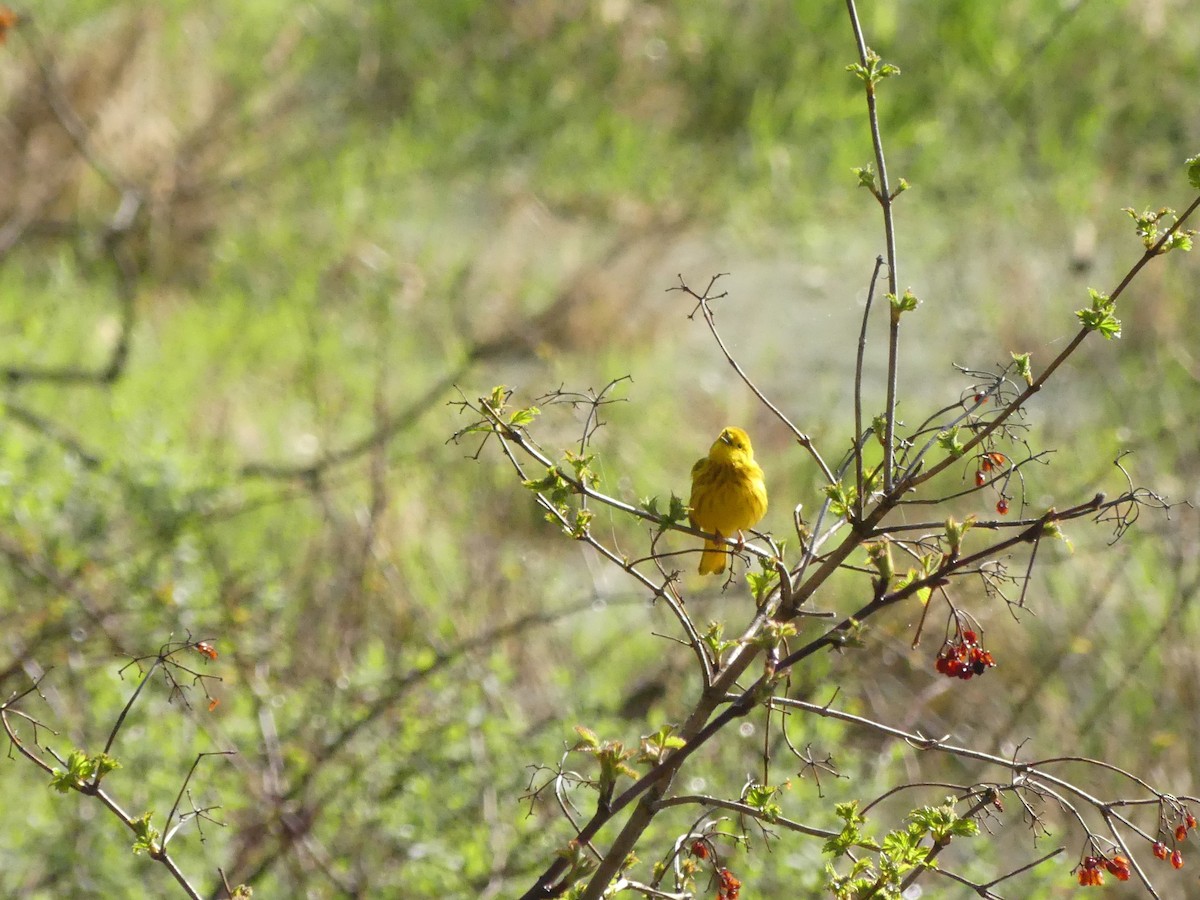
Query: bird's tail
(712, 560)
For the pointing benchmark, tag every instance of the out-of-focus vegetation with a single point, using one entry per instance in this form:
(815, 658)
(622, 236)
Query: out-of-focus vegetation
(349, 208)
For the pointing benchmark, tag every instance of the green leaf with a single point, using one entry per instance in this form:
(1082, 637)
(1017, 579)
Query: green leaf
(82, 769)
(712, 640)
(1054, 530)
(524, 416)
(1099, 317)
(866, 176)
(589, 738)
(903, 846)
(656, 747)
(907, 302)
(879, 553)
(1024, 367)
(147, 836)
(948, 441)
(498, 399)
(552, 480)
(841, 499)
(874, 71)
(1193, 172)
(762, 798)
(955, 531)
(582, 466)
(579, 527)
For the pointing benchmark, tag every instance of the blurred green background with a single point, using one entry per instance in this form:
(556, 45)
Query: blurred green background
(351, 207)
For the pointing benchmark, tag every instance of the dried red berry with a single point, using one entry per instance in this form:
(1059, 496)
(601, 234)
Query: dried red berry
(1181, 832)
(1002, 506)
(700, 849)
(985, 464)
(980, 479)
(997, 459)
(1118, 867)
(970, 636)
(1177, 859)
(1160, 850)
(1190, 820)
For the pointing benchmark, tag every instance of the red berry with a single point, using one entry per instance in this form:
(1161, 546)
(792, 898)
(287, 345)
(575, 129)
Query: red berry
(1181, 832)
(997, 459)
(980, 479)
(1190, 820)
(970, 636)
(1177, 859)
(1118, 867)
(1160, 850)
(1002, 506)
(985, 464)
(700, 849)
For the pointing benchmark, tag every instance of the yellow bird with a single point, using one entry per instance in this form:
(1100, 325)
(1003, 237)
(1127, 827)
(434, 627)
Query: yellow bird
(728, 494)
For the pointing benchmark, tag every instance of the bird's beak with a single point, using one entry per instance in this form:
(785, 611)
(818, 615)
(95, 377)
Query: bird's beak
(725, 438)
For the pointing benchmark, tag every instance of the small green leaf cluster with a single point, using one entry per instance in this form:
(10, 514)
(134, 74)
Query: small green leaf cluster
(1099, 317)
(901, 851)
(950, 442)
(841, 499)
(713, 640)
(676, 512)
(879, 554)
(763, 798)
(763, 581)
(955, 531)
(611, 755)
(558, 490)
(906, 302)
(773, 635)
(657, 746)
(874, 71)
(928, 565)
(1024, 366)
(147, 837)
(866, 179)
(1193, 171)
(1148, 225)
(82, 770)
(579, 864)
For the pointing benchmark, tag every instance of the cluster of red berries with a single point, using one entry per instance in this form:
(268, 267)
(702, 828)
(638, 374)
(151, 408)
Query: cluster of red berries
(987, 463)
(1160, 851)
(1181, 833)
(964, 657)
(729, 886)
(1091, 870)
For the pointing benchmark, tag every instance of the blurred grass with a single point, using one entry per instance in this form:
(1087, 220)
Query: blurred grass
(346, 198)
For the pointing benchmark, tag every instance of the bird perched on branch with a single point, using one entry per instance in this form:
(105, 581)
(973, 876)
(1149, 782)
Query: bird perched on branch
(728, 494)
